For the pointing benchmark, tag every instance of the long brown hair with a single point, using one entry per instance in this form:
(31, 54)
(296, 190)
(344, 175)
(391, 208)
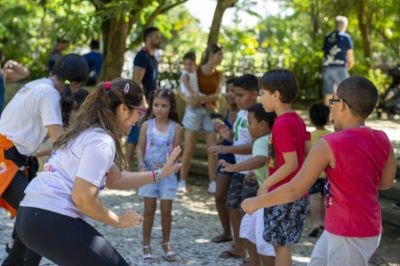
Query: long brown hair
(211, 49)
(99, 110)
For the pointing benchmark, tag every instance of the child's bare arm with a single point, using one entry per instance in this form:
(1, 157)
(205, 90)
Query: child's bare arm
(141, 147)
(389, 172)
(177, 135)
(318, 159)
(234, 149)
(186, 82)
(307, 147)
(251, 164)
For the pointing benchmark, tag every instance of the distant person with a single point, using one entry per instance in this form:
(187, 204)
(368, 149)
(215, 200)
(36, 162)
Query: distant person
(145, 72)
(12, 71)
(338, 58)
(57, 53)
(94, 59)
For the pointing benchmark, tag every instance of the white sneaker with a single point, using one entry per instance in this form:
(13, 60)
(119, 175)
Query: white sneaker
(212, 187)
(181, 188)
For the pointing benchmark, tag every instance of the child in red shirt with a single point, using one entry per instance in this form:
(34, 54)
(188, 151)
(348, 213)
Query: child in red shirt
(283, 224)
(358, 162)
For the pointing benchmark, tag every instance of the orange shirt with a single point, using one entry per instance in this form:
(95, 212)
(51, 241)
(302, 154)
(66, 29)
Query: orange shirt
(208, 84)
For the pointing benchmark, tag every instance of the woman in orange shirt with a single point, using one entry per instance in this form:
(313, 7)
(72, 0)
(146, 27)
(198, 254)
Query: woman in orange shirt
(197, 114)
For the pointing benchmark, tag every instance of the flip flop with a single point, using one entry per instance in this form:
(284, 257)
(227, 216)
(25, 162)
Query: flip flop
(227, 254)
(221, 239)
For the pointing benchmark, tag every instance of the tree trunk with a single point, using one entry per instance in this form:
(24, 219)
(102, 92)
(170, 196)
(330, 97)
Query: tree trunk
(222, 5)
(315, 20)
(115, 32)
(364, 27)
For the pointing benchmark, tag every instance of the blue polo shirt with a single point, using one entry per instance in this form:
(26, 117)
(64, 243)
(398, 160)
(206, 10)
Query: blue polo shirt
(336, 45)
(94, 60)
(145, 60)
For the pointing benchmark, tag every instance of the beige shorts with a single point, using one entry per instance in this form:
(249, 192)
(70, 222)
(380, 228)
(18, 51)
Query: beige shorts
(334, 250)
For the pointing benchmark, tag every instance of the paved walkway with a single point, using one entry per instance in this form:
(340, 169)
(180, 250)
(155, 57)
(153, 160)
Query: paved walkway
(195, 222)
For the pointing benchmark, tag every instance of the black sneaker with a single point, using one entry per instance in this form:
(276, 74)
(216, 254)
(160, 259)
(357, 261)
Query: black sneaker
(314, 232)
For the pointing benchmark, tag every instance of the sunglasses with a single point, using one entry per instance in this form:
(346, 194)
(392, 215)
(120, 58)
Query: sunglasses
(333, 100)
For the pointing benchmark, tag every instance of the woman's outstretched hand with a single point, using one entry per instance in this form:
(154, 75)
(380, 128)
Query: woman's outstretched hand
(128, 219)
(171, 166)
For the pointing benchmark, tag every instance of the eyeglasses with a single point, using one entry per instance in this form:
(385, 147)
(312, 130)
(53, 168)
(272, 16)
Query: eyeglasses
(142, 111)
(333, 100)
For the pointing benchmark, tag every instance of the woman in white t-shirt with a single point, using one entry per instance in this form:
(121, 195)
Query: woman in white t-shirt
(32, 114)
(86, 158)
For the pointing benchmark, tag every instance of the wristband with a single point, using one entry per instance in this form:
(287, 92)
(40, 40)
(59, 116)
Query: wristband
(154, 176)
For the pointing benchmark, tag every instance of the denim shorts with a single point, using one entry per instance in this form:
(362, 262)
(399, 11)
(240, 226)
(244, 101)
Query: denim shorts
(164, 190)
(239, 190)
(197, 119)
(332, 77)
(284, 223)
(133, 137)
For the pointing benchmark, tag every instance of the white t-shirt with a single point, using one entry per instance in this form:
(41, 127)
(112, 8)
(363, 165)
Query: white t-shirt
(193, 83)
(241, 135)
(24, 120)
(89, 156)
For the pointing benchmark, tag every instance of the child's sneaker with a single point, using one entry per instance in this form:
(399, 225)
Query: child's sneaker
(212, 187)
(181, 187)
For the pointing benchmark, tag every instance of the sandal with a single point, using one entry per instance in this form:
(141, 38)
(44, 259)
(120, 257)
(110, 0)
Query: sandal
(228, 254)
(221, 239)
(169, 254)
(148, 256)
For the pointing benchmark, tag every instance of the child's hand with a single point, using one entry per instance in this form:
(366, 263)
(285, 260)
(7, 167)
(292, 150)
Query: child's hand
(225, 166)
(171, 166)
(250, 177)
(141, 167)
(217, 149)
(128, 219)
(248, 206)
(224, 130)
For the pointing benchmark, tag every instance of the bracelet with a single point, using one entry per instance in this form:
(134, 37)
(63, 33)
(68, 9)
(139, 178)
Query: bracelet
(154, 176)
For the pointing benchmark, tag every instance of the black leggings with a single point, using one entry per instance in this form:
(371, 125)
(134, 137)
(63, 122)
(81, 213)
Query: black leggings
(19, 254)
(65, 240)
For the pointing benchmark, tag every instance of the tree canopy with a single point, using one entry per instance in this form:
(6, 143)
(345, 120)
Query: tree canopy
(291, 39)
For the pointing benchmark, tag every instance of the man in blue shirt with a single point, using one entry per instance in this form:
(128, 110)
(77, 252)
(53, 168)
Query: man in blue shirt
(94, 59)
(338, 58)
(145, 72)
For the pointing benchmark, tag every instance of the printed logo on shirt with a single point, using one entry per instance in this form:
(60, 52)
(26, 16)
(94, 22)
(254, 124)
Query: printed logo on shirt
(48, 168)
(24, 90)
(272, 154)
(239, 123)
(3, 167)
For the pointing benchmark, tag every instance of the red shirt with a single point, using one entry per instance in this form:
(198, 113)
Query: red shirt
(288, 134)
(352, 206)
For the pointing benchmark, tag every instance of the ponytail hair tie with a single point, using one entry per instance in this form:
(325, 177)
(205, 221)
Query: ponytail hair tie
(106, 85)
